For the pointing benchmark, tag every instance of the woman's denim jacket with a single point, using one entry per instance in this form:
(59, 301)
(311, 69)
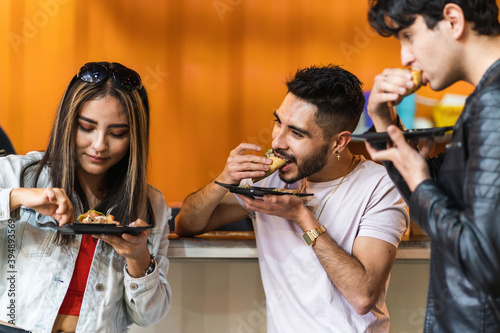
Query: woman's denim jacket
(35, 272)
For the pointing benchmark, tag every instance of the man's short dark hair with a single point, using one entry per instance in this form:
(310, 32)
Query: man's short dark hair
(388, 17)
(337, 94)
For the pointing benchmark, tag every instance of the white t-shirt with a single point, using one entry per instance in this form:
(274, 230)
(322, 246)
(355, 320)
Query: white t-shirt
(299, 295)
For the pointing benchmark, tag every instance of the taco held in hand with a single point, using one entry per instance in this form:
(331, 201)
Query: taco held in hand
(278, 162)
(416, 77)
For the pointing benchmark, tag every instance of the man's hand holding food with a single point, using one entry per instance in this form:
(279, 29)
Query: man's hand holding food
(240, 165)
(389, 88)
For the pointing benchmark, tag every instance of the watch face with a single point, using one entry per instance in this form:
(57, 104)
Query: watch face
(308, 239)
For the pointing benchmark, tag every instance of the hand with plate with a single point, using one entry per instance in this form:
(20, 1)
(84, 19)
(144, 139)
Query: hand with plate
(130, 246)
(410, 163)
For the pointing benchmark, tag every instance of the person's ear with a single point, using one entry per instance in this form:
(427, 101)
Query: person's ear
(454, 16)
(343, 139)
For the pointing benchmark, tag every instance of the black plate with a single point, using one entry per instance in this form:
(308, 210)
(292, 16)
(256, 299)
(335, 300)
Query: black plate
(97, 229)
(410, 134)
(258, 191)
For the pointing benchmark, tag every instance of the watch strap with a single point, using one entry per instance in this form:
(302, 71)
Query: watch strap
(311, 235)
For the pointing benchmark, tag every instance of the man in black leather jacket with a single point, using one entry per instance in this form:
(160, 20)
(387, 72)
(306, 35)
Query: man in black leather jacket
(455, 197)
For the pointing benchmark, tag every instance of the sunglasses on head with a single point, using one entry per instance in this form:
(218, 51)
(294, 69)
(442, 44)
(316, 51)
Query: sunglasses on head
(94, 72)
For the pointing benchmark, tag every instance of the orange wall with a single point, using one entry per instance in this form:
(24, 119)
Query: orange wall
(214, 69)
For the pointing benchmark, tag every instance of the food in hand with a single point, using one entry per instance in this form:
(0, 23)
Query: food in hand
(416, 77)
(95, 217)
(278, 162)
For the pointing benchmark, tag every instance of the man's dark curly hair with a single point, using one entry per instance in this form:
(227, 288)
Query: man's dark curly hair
(337, 94)
(388, 17)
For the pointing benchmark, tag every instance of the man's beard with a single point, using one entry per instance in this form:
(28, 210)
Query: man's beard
(309, 167)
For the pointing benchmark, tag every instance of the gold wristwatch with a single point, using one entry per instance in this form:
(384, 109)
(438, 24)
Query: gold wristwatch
(311, 235)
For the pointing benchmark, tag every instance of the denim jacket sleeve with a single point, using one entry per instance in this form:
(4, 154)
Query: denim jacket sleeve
(10, 171)
(148, 298)
(4, 204)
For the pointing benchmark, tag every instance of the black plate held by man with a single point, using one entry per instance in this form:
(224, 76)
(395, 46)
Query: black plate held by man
(255, 191)
(409, 134)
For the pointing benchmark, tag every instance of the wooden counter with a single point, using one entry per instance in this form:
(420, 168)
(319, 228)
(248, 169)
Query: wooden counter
(241, 245)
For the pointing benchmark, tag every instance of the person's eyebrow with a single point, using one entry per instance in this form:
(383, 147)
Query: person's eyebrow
(95, 123)
(300, 130)
(276, 116)
(87, 120)
(295, 128)
(399, 32)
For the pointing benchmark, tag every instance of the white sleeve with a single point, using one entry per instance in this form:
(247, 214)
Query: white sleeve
(386, 216)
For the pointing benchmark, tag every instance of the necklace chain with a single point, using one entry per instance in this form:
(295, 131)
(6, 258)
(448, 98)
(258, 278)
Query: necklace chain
(336, 187)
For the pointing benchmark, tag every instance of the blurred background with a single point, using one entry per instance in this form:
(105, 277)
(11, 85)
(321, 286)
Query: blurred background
(214, 70)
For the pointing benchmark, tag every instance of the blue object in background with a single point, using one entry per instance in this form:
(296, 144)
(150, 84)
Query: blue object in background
(368, 120)
(406, 111)
(364, 120)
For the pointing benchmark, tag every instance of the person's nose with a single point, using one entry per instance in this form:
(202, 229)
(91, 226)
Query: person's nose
(407, 57)
(100, 141)
(279, 138)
